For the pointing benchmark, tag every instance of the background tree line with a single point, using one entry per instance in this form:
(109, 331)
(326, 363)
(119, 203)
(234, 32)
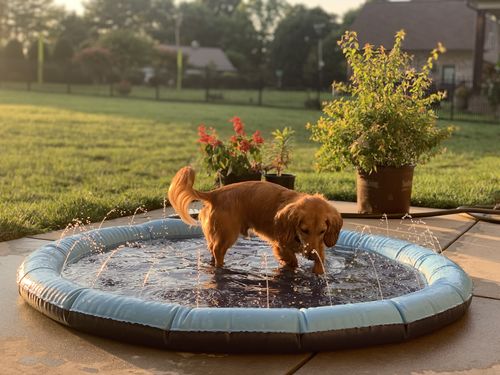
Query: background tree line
(268, 41)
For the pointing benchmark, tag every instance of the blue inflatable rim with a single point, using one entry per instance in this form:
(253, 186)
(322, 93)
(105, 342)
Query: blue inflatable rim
(443, 300)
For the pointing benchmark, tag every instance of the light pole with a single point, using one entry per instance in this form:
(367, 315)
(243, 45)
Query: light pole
(178, 22)
(318, 27)
(40, 59)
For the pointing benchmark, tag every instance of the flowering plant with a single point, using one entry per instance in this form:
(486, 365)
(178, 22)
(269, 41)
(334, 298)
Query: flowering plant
(240, 155)
(387, 117)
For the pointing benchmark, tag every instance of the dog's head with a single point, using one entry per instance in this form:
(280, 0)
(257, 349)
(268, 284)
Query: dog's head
(311, 221)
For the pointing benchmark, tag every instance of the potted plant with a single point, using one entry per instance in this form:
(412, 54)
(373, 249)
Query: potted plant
(278, 155)
(238, 159)
(384, 126)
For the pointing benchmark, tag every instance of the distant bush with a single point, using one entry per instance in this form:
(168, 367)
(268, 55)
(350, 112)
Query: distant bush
(95, 62)
(124, 88)
(14, 66)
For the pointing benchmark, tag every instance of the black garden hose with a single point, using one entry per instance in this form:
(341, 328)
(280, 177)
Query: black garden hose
(480, 213)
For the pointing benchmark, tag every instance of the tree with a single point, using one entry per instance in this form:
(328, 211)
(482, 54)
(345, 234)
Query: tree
(294, 50)
(118, 14)
(349, 18)
(33, 52)
(159, 20)
(334, 68)
(128, 50)
(265, 15)
(227, 7)
(13, 50)
(13, 65)
(73, 28)
(61, 61)
(63, 51)
(95, 62)
(3, 20)
(26, 19)
(235, 33)
(165, 64)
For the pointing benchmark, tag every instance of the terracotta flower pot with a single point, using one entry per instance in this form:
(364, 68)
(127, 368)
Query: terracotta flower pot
(388, 190)
(233, 178)
(285, 180)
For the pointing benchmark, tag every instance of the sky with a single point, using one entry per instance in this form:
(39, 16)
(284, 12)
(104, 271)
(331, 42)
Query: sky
(338, 7)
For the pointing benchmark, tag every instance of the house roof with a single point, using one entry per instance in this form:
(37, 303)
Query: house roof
(201, 57)
(426, 23)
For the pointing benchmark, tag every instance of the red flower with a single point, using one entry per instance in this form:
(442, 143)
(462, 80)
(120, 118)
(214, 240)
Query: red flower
(206, 138)
(202, 132)
(213, 141)
(233, 139)
(257, 138)
(244, 145)
(238, 125)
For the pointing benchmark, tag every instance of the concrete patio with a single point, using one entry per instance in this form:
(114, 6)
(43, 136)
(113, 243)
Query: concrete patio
(32, 343)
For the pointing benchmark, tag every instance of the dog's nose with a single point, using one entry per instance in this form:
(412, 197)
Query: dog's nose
(309, 254)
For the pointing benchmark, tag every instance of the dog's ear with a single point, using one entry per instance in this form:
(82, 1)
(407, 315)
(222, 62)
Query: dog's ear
(334, 224)
(286, 222)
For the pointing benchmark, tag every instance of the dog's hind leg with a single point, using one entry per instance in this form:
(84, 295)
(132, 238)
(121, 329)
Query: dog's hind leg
(220, 246)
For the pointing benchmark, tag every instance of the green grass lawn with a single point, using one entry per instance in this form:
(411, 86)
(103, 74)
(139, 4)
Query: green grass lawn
(64, 157)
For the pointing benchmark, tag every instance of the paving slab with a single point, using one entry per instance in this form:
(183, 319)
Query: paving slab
(31, 343)
(436, 233)
(21, 246)
(139, 218)
(478, 253)
(469, 346)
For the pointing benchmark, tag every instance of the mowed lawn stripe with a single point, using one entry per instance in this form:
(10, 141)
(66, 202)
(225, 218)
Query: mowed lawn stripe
(66, 157)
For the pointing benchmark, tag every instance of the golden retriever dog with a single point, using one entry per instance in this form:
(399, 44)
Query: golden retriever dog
(291, 222)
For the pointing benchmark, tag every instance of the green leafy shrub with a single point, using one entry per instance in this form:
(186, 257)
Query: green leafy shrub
(124, 87)
(279, 151)
(385, 117)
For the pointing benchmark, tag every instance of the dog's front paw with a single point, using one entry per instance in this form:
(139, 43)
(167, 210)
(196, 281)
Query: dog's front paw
(318, 268)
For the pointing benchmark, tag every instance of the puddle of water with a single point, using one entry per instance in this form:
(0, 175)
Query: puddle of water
(180, 272)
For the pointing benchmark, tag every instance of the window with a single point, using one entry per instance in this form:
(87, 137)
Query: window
(448, 76)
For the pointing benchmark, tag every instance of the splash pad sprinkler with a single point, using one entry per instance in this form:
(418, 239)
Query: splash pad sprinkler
(177, 325)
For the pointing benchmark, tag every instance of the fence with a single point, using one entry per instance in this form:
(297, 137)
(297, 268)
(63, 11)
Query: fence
(460, 103)
(202, 86)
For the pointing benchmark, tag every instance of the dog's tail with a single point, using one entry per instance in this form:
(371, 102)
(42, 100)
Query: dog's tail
(181, 194)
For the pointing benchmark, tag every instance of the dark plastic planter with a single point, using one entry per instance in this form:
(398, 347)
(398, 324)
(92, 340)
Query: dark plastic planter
(285, 180)
(233, 178)
(388, 190)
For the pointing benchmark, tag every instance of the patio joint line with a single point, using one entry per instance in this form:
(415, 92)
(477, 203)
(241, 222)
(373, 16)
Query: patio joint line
(459, 236)
(486, 297)
(36, 238)
(301, 364)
